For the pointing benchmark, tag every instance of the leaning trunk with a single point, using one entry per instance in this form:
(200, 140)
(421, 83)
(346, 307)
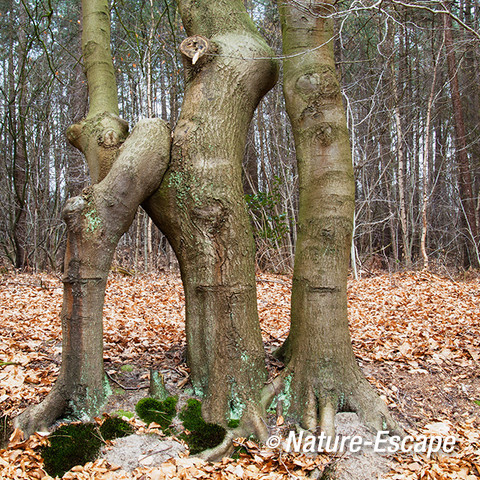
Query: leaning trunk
(201, 206)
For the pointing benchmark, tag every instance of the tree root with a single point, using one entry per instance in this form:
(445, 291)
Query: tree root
(311, 407)
(41, 416)
(313, 401)
(253, 423)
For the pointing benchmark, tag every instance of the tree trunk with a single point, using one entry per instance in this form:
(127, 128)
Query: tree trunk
(250, 167)
(200, 205)
(18, 114)
(128, 174)
(322, 376)
(426, 164)
(401, 179)
(465, 183)
(75, 168)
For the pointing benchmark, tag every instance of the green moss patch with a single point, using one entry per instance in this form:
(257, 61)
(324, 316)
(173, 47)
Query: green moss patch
(153, 410)
(191, 415)
(70, 445)
(233, 423)
(124, 413)
(115, 427)
(199, 434)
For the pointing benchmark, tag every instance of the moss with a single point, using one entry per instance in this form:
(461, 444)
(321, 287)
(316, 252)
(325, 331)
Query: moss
(124, 413)
(209, 436)
(70, 445)
(115, 427)
(126, 368)
(199, 435)
(191, 415)
(153, 410)
(233, 423)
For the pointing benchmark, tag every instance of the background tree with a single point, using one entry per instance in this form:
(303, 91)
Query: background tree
(52, 69)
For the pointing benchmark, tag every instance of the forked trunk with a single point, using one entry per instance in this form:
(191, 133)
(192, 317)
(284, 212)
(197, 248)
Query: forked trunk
(125, 173)
(95, 221)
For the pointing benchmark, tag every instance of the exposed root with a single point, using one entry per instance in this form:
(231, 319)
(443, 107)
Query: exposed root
(252, 423)
(327, 417)
(373, 411)
(41, 416)
(224, 449)
(312, 405)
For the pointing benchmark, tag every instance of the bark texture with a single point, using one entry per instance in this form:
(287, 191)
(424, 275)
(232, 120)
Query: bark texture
(465, 181)
(322, 376)
(201, 208)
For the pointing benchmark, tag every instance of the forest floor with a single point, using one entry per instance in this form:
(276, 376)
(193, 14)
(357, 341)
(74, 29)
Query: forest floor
(416, 336)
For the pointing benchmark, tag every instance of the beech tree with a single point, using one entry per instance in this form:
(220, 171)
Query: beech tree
(190, 183)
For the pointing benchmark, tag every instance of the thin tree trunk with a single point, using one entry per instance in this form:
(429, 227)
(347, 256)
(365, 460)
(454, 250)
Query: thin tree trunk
(465, 183)
(75, 174)
(400, 142)
(426, 165)
(401, 181)
(250, 167)
(137, 242)
(18, 113)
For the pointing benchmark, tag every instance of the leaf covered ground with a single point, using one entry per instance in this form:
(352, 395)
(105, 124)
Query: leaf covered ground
(416, 336)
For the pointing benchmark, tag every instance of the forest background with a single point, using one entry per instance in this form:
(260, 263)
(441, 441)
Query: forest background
(410, 82)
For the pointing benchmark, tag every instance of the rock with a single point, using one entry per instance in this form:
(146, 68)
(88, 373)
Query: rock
(141, 451)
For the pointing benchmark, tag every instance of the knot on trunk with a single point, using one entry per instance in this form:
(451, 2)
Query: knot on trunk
(195, 47)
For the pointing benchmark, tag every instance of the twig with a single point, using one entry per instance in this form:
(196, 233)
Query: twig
(157, 451)
(4, 364)
(140, 387)
(290, 474)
